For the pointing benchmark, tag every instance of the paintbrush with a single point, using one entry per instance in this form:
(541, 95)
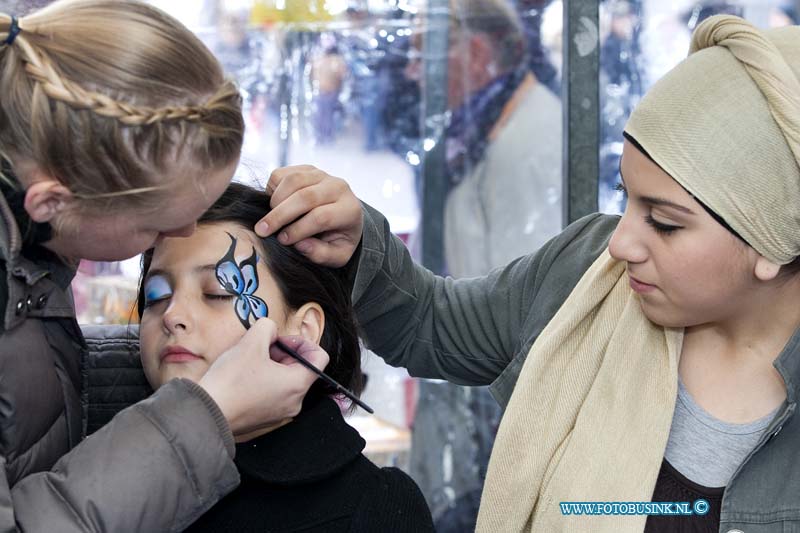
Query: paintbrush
(241, 280)
(325, 377)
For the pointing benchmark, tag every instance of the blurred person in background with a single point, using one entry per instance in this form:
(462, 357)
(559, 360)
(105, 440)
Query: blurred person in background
(502, 141)
(503, 155)
(328, 71)
(365, 52)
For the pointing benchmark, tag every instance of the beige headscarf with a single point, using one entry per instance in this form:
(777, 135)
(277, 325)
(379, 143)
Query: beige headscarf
(725, 124)
(590, 415)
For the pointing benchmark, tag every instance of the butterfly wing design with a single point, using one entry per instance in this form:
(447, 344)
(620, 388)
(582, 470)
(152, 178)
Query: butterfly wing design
(255, 305)
(228, 273)
(242, 281)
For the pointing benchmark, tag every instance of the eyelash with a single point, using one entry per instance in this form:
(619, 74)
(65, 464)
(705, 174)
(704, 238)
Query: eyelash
(222, 297)
(660, 228)
(215, 297)
(150, 303)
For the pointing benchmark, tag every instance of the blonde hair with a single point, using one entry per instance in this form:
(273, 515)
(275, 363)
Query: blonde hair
(106, 95)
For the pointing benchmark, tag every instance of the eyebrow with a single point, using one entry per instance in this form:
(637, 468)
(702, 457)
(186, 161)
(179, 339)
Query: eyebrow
(161, 272)
(654, 200)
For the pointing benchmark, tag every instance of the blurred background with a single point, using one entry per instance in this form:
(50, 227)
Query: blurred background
(478, 127)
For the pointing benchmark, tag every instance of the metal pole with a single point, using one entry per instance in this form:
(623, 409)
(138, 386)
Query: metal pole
(581, 95)
(434, 106)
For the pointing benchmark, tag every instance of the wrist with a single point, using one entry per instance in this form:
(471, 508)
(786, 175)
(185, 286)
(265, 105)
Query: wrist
(224, 427)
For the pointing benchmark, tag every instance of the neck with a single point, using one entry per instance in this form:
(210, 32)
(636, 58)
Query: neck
(727, 366)
(54, 246)
(528, 83)
(756, 332)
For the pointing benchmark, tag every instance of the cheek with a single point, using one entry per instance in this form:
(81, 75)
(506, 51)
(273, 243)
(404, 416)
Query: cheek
(148, 350)
(706, 281)
(222, 334)
(690, 278)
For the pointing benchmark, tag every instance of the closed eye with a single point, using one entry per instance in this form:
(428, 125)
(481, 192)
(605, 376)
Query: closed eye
(157, 289)
(156, 301)
(660, 227)
(219, 297)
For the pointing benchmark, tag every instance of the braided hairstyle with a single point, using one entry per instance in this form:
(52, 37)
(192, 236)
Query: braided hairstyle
(107, 96)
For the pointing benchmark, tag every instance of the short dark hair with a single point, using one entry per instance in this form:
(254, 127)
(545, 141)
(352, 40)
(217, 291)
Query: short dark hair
(300, 281)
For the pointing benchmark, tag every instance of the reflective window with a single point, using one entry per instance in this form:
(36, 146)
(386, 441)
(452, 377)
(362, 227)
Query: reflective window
(640, 41)
(501, 130)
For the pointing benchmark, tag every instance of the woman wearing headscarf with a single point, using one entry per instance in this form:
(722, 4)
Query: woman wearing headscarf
(652, 357)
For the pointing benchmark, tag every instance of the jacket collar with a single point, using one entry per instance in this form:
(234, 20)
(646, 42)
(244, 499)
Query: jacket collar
(314, 446)
(37, 281)
(788, 366)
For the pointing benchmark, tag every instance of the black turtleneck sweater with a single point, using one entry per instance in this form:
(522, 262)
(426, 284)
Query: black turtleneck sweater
(311, 476)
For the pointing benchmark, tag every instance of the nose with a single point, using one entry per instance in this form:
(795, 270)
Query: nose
(178, 317)
(627, 243)
(183, 231)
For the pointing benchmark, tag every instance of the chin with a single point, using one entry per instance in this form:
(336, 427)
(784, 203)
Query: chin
(665, 319)
(180, 373)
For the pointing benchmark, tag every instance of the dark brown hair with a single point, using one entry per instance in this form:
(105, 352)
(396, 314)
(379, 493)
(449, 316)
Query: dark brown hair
(299, 280)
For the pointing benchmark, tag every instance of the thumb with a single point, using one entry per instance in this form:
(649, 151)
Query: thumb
(260, 336)
(306, 349)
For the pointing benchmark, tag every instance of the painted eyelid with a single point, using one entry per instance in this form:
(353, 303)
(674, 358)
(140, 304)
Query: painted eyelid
(156, 288)
(658, 218)
(661, 226)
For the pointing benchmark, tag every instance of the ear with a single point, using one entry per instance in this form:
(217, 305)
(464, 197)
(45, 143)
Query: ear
(310, 321)
(765, 269)
(45, 198)
(481, 55)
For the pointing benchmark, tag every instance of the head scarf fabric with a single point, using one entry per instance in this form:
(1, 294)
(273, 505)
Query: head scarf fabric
(725, 124)
(589, 418)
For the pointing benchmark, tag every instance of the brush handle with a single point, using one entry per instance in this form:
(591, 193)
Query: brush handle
(325, 377)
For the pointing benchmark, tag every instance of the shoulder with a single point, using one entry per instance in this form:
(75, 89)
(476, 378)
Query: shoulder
(540, 106)
(570, 253)
(545, 278)
(587, 237)
(562, 261)
(395, 503)
(3, 294)
(532, 136)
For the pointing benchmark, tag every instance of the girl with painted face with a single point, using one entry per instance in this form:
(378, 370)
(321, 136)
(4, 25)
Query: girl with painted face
(117, 128)
(197, 298)
(652, 357)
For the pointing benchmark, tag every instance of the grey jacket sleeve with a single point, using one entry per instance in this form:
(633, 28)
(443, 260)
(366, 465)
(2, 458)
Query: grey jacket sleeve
(156, 466)
(468, 330)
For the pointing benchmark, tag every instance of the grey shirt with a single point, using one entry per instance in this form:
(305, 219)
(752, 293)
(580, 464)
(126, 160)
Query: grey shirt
(510, 202)
(705, 449)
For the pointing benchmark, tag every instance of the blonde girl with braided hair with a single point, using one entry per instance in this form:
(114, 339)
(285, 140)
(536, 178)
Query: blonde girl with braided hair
(649, 358)
(117, 128)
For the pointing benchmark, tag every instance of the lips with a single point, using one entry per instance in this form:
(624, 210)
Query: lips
(640, 286)
(178, 354)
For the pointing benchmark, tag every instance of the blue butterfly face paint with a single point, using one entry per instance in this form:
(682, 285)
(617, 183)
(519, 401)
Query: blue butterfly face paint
(241, 280)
